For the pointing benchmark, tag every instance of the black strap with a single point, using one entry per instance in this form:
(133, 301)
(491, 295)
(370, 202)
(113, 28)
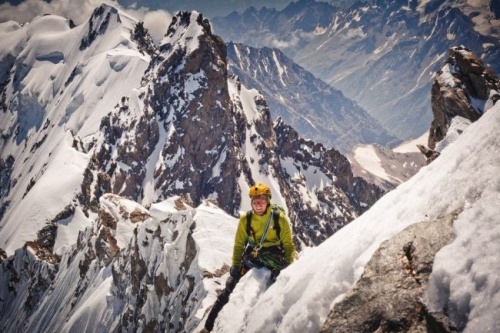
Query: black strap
(276, 218)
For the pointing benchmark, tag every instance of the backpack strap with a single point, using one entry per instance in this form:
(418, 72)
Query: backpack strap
(276, 217)
(249, 222)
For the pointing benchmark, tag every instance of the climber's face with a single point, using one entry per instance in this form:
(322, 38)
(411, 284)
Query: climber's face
(259, 204)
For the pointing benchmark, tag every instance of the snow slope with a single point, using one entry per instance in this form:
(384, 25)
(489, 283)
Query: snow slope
(52, 92)
(466, 274)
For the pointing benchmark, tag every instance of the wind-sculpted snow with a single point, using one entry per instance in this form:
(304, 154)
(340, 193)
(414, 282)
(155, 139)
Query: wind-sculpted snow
(50, 105)
(156, 271)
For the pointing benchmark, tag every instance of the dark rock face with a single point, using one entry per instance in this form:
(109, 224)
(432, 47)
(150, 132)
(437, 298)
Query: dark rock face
(346, 194)
(5, 176)
(98, 24)
(388, 296)
(291, 145)
(202, 128)
(5, 182)
(464, 87)
(144, 40)
(458, 90)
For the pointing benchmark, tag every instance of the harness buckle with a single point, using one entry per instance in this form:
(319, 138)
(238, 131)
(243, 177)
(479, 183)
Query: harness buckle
(255, 251)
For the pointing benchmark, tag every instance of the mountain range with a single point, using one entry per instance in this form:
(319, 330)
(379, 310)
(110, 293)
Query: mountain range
(381, 54)
(209, 9)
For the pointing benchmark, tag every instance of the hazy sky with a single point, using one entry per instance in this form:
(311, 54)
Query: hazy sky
(156, 21)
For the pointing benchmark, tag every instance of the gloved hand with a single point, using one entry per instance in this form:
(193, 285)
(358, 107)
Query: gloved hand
(232, 279)
(230, 283)
(234, 271)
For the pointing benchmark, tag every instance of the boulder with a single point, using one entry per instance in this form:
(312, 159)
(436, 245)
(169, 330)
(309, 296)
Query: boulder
(388, 297)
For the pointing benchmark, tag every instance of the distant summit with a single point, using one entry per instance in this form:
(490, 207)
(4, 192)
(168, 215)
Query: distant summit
(312, 107)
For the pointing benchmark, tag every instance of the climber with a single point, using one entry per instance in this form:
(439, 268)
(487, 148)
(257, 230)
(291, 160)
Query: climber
(263, 239)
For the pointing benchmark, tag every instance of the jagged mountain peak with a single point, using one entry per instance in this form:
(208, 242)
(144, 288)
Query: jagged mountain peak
(102, 19)
(186, 27)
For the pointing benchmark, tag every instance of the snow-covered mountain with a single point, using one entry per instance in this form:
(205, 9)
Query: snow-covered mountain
(381, 54)
(312, 107)
(105, 112)
(115, 152)
(210, 9)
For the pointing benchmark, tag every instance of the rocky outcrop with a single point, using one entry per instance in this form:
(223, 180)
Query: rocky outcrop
(464, 88)
(149, 263)
(388, 297)
(28, 279)
(429, 154)
(142, 274)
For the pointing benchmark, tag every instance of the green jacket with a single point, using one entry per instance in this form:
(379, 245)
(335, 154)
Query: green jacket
(258, 226)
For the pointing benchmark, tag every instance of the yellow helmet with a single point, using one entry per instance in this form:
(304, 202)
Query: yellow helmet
(259, 189)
